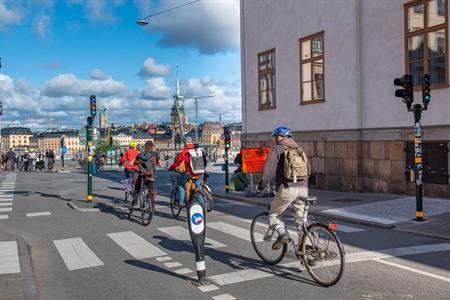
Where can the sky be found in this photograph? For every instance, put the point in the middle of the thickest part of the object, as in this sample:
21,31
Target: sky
56,53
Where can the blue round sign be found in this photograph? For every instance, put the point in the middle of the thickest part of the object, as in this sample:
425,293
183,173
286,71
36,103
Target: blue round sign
197,219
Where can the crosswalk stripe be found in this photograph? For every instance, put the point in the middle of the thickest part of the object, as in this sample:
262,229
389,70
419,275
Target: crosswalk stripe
135,245
224,297
6,204
4,217
6,199
2,209
39,214
76,254
9,258
242,233
172,264
182,234
183,271
240,276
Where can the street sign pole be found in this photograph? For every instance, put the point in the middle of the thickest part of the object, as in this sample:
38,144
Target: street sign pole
197,228
418,161
89,157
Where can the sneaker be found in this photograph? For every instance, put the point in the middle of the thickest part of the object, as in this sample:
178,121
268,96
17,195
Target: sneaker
282,239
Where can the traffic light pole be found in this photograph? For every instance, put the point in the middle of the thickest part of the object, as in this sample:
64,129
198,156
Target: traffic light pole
89,158
418,160
227,176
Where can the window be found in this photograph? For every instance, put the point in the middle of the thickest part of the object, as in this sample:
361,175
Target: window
312,79
426,40
266,79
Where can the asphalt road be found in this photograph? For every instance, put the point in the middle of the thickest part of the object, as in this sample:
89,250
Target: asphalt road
103,255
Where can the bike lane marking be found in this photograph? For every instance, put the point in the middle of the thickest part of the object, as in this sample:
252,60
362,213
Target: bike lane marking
9,258
38,214
76,254
4,217
182,234
135,245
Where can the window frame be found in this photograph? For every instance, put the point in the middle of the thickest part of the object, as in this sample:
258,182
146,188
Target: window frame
311,60
424,32
266,72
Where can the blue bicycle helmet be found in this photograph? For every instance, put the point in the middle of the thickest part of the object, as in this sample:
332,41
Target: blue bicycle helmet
282,131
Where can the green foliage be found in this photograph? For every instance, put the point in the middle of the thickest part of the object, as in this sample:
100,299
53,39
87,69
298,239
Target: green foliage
103,145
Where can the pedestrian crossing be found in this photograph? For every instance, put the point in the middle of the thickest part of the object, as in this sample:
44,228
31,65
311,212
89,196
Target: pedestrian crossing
7,195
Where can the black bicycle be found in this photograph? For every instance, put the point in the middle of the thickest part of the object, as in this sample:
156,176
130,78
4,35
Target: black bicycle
320,250
195,193
144,208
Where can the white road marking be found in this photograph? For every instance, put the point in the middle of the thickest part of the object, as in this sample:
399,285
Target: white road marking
9,258
5,209
242,233
208,288
182,234
39,214
224,297
163,258
172,264
253,274
346,228
342,212
183,271
4,217
76,254
9,198
6,204
135,245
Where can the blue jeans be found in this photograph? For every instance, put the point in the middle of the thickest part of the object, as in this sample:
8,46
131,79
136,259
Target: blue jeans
182,193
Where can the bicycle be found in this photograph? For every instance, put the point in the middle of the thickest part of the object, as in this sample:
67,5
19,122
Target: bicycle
326,266
195,192
129,186
145,201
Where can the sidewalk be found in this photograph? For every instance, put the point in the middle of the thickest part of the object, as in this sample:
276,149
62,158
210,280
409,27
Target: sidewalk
381,210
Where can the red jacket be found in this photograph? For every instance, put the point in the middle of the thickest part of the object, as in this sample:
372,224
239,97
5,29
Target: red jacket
184,156
128,159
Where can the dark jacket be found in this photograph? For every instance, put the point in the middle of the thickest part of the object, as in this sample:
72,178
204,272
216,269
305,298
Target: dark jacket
274,166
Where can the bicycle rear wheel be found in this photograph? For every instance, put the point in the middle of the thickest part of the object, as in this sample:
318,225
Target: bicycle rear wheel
174,202
324,257
263,238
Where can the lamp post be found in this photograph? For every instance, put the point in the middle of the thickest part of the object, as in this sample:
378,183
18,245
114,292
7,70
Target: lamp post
196,111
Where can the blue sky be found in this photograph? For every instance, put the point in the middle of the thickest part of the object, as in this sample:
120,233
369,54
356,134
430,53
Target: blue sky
55,53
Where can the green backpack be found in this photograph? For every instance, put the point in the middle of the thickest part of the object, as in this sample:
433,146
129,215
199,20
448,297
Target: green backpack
295,164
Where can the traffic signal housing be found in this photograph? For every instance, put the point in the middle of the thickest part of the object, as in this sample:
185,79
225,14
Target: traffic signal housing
93,106
407,93
426,91
227,137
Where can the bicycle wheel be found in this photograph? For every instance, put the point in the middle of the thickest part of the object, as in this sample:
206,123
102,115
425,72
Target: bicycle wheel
208,199
263,239
324,257
174,202
148,210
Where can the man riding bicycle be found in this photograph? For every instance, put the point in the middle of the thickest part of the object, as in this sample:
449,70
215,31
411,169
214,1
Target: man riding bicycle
191,164
290,188
147,161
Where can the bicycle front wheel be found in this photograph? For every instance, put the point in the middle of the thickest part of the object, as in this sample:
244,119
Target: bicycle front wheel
148,211
324,254
208,199
263,239
174,202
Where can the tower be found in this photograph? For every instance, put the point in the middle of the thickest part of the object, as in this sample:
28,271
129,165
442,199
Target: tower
103,119
177,99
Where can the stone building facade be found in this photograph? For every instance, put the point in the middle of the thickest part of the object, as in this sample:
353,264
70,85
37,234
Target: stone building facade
326,70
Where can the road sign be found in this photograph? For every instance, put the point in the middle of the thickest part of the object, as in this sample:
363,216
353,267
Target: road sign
253,159
64,150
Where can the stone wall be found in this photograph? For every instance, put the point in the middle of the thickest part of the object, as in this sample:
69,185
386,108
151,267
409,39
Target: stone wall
367,164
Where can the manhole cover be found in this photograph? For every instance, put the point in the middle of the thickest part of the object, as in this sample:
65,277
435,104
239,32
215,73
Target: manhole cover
347,200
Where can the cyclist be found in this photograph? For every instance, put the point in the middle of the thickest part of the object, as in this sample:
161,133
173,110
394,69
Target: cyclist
184,165
147,161
288,191
127,160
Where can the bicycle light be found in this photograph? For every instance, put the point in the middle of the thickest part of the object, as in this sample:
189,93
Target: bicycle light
332,226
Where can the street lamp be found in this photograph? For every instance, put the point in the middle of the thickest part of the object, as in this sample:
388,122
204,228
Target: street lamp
143,21
196,111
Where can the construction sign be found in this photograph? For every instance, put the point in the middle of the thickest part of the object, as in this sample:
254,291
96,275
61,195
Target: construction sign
253,159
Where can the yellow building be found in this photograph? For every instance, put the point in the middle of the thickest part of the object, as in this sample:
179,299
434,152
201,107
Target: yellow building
16,137
52,140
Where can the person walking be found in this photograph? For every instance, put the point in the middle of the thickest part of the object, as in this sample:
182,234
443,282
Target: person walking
11,159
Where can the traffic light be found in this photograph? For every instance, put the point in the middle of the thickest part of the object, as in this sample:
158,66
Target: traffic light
407,93
110,141
93,106
227,136
90,121
426,91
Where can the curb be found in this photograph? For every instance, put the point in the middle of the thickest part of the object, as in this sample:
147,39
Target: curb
73,206
319,214
29,284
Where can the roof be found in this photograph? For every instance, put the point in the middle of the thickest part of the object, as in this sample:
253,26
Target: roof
59,134
16,131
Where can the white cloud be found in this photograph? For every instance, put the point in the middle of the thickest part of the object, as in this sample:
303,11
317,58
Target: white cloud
151,68
156,89
9,15
42,26
70,85
210,26
98,74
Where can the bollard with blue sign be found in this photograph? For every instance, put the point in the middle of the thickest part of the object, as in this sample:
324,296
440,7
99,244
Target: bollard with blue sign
197,227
